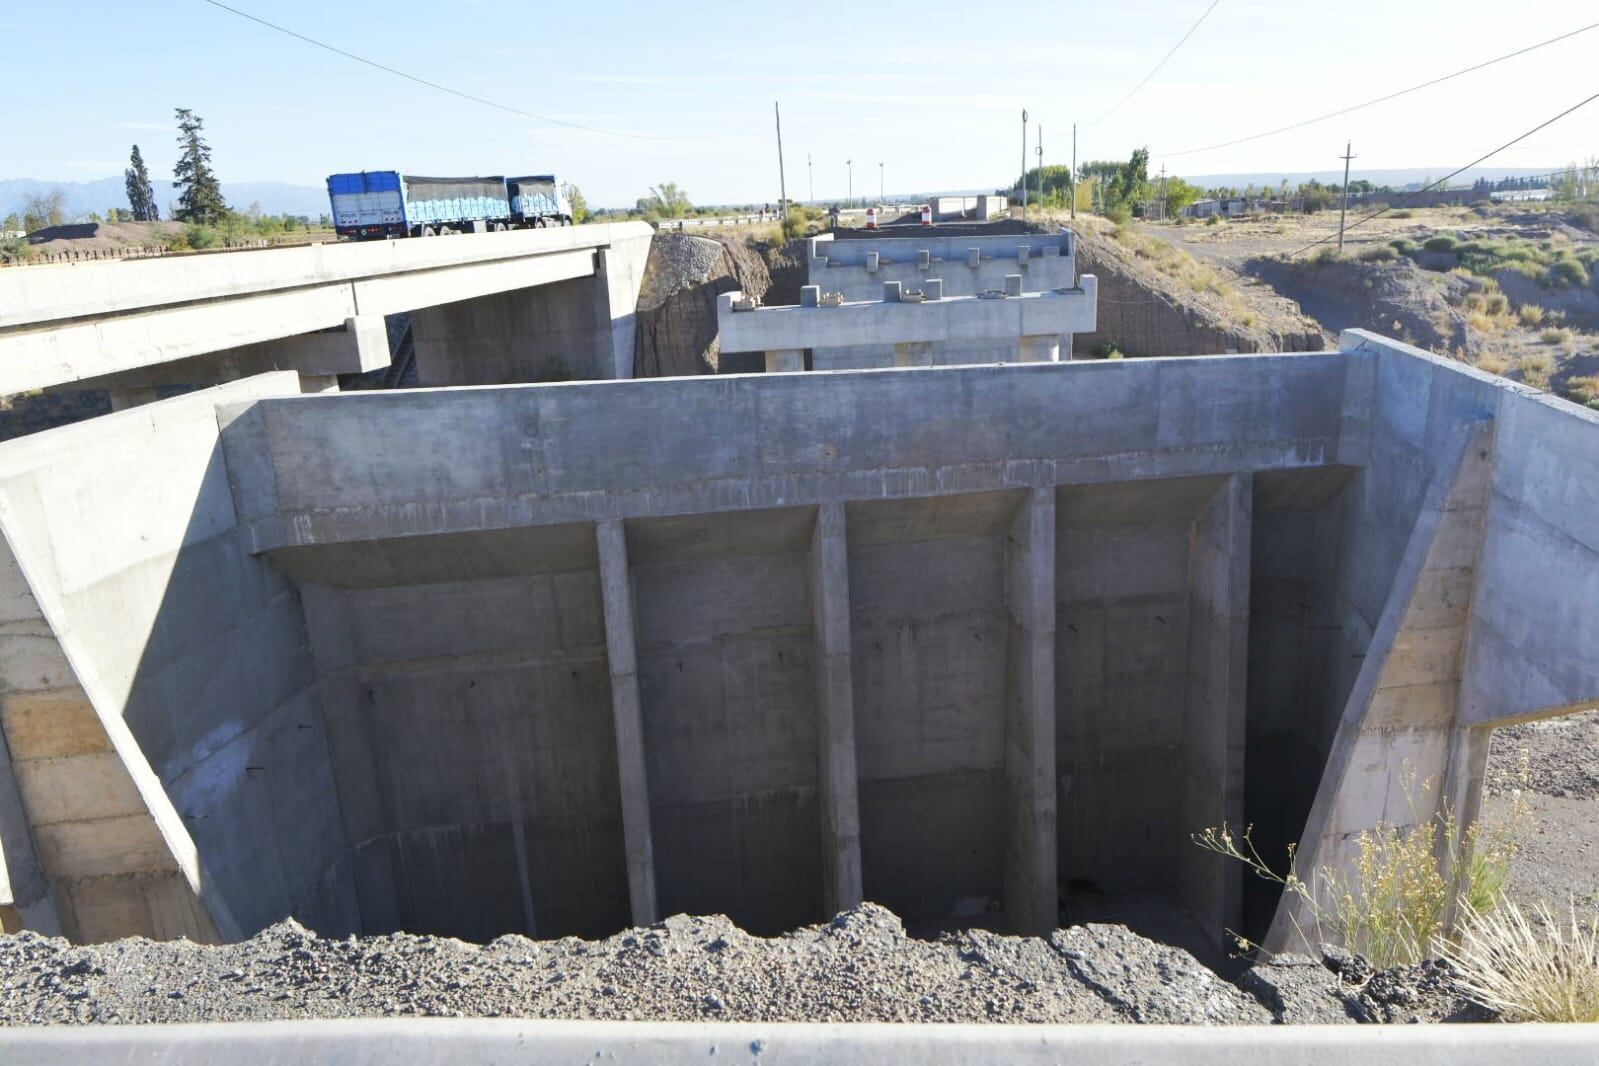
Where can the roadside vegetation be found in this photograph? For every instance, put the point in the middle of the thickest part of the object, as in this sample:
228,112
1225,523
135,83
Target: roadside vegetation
1395,907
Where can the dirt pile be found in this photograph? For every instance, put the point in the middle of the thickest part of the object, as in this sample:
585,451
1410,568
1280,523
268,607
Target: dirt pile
677,332
859,967
1397,298
1143,311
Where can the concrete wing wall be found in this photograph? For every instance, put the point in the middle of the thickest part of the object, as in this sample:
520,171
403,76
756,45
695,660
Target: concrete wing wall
193,658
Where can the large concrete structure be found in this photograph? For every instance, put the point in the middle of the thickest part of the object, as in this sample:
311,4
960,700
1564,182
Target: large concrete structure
528,305
991,638
1015,327
943,275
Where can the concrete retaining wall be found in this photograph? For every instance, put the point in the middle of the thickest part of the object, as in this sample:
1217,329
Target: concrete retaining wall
951,640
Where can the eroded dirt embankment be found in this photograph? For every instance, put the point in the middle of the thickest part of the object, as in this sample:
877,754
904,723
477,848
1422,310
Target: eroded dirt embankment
677,332
1150,306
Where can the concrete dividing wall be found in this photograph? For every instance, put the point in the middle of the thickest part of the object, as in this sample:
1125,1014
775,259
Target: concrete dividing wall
468,714
196,799
927,598
726,687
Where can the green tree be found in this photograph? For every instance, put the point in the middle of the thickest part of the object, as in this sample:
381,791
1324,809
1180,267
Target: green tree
201,201
1179,194
141,195
12,223
580,205
665,200
1131,184
44,210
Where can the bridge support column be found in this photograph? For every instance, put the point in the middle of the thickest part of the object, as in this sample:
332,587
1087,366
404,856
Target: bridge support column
1212,750
124,398
785,361
1031,891
1040,349
616,588
837,782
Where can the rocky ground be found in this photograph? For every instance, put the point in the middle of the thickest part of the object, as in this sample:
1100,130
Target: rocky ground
859,967
1554,764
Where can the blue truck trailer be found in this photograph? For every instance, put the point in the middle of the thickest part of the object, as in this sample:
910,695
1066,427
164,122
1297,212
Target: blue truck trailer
380,204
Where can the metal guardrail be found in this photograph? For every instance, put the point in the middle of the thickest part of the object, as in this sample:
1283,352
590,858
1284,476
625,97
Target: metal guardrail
400,1042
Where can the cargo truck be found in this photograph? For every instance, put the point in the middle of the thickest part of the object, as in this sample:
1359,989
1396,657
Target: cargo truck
379,204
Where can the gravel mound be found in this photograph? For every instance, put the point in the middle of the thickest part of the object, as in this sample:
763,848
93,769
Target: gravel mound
860,967
1562,757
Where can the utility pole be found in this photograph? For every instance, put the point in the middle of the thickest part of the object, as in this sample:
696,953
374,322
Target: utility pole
880,197
1073,182
1022,181
782,176
810,177
1344,210
1163,192
851,164
1040,168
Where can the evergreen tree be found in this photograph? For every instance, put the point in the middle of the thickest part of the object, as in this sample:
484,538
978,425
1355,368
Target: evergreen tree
201,199
141,196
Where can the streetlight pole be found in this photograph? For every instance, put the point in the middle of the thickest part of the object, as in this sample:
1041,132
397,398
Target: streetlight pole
851,164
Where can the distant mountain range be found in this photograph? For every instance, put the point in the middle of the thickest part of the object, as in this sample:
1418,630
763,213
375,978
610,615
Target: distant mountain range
83,197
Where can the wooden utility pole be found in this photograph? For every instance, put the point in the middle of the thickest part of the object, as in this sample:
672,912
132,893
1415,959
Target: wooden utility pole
1022,181
851,164
880,198
1344,210
810,177
1040,167
1163,192
782,177
1073,182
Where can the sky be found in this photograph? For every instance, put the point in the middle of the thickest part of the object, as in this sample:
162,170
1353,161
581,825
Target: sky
932,91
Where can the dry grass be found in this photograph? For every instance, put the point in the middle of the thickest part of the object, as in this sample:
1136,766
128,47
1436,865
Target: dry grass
1530,315
1584,390
1535,368
1491,362
1555,336
1538,970
1393,907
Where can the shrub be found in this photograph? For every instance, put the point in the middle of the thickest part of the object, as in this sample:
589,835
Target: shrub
1120,214
1568,272
1382,253
1530,271
1584,215
1529,971
1393,908
1402,245
1401,213
1213,220
1530,315
1583,390
1490,362
1555,335
1496,303
1105,350
200,236
794,224
1441,243
1325,254
1475,301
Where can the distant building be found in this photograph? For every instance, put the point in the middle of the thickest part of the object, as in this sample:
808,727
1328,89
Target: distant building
1521,195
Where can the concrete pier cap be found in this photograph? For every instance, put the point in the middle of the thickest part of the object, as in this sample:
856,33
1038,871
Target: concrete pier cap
976,640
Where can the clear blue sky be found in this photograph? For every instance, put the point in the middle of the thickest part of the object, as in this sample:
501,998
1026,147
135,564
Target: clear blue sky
935,96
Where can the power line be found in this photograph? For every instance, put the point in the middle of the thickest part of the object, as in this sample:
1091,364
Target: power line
445,88
1443,180
1383,99
1162,63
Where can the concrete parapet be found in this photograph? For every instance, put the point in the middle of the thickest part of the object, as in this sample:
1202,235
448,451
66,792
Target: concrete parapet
858,267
